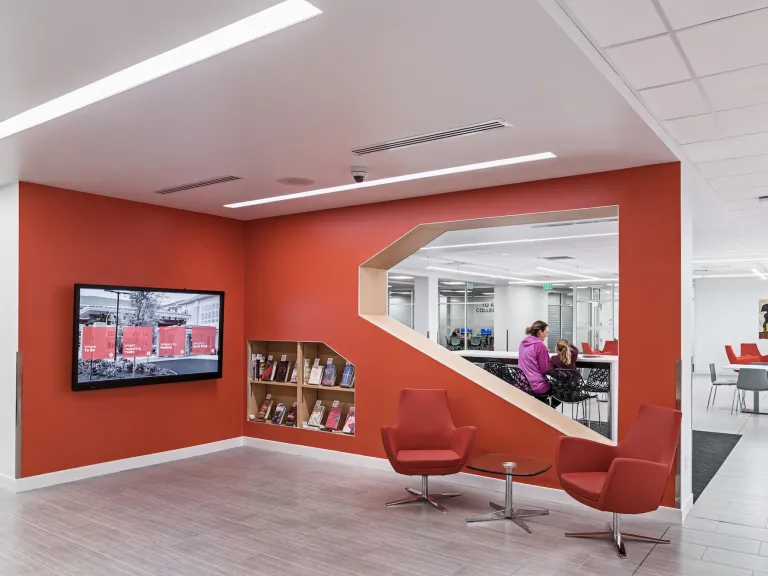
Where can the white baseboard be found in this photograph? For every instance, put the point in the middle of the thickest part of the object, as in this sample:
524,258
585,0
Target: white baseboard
687,507
6,482
663,514
73,474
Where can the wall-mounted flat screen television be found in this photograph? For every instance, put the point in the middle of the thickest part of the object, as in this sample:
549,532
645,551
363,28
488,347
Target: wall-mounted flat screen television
130,336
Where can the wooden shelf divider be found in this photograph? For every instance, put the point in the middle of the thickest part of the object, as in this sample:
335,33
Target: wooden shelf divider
305,395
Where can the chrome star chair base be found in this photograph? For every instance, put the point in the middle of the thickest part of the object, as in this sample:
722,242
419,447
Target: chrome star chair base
425,496
617,535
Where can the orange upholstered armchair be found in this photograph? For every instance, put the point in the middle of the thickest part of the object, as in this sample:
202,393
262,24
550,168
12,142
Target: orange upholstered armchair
626,479
424,442
586,347
751,350
733,359
611,347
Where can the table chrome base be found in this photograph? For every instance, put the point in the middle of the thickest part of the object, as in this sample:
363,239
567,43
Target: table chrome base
425,496
507,512
617,535
515,515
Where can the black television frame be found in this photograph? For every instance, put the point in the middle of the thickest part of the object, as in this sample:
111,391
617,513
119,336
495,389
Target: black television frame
148,380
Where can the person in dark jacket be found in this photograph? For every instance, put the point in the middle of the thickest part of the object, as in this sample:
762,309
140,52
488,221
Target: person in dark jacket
565,357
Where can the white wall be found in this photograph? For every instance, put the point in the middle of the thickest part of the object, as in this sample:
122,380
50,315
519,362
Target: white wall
726,312
517,307
691,185
9,328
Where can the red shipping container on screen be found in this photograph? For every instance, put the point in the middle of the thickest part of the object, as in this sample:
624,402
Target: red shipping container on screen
98,343
203,340
172,340
137,341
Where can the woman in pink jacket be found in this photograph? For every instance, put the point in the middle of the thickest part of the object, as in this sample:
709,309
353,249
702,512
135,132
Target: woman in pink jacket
533,357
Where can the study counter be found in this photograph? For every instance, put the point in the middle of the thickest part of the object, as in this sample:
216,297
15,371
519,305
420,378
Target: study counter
583,361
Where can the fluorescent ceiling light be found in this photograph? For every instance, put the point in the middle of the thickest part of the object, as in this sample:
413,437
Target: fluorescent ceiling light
401,277
487,293
763,276
566,273
473,273
522,241
565,280
396,179
241,32
558,284
723,276
457,283
758,258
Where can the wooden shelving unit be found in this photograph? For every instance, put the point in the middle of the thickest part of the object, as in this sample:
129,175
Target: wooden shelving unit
305,395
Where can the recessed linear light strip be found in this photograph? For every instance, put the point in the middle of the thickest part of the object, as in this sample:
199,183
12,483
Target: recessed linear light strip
241,32
523,241
763,276
700,276
567,273
567,280
454,271
396,179
757,259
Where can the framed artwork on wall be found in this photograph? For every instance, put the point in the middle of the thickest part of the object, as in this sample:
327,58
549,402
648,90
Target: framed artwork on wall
762,307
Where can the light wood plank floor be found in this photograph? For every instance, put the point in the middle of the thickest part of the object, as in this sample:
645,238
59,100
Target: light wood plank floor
250,512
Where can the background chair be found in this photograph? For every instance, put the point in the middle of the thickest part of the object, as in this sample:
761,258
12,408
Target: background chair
733,359
454,343
750,380
424,442
718,382
474,342
753,350
626,479
586,347
568,387
514,376
611,348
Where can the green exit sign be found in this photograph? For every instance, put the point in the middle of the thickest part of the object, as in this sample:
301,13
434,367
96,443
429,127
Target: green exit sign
547,286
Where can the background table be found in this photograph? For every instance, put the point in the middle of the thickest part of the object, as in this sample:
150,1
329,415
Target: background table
509,466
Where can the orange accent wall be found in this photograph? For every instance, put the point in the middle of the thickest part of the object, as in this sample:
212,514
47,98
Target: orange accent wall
68,237
302,285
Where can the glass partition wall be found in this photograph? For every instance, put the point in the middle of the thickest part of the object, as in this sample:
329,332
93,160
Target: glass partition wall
596,314
465,315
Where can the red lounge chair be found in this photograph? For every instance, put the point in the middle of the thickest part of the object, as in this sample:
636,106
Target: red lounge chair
424,442
626,479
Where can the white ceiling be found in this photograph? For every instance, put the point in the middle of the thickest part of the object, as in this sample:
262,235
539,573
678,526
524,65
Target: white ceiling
296,102
596,256
701,68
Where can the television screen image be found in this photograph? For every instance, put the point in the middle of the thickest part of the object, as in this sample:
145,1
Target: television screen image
128,336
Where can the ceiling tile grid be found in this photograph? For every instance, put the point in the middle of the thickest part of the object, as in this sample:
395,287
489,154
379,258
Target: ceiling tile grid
703,75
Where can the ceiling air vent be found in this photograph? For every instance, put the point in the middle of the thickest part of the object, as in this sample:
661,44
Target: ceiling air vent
558,258
433,136
199,184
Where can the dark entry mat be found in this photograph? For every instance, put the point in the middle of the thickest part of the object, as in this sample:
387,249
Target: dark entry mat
710,449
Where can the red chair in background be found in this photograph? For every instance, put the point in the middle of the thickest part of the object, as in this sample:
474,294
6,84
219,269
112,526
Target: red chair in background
424,442
611,348
733,359
626,479
586,347
753,350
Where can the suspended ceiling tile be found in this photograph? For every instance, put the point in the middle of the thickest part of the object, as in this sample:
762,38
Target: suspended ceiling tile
693,129
650,62
751,145
742,121
719,168
707,151
754,163
685,13
739,182
728,44
611,22
737,89
742,194
675,101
